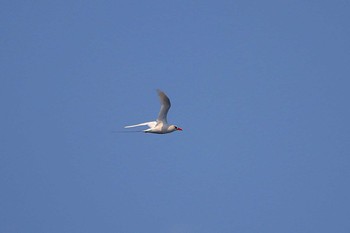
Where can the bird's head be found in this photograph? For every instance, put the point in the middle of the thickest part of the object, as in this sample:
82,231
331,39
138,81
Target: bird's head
174,128
177,128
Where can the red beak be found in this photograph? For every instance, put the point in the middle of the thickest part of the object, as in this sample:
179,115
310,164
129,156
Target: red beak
179,129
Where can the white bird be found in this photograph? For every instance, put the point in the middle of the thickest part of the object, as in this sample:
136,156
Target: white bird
160,126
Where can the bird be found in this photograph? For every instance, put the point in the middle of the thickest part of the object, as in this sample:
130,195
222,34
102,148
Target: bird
160,126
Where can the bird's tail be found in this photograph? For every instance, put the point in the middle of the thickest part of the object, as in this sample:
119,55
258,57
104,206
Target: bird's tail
150,124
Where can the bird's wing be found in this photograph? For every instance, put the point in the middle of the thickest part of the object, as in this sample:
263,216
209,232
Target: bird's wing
150,124
164,108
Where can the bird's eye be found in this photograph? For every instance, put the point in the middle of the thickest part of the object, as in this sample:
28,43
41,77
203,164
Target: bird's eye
175,127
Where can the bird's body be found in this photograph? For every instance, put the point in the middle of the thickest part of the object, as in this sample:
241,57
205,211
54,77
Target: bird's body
160,126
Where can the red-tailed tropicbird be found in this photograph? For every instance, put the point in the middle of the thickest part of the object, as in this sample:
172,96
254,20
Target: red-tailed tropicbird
160,126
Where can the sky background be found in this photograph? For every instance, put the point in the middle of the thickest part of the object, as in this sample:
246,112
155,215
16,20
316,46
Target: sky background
261,89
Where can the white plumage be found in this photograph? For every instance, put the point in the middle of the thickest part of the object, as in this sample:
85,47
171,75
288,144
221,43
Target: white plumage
160,126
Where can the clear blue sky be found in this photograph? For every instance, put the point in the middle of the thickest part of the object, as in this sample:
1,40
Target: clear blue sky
261,89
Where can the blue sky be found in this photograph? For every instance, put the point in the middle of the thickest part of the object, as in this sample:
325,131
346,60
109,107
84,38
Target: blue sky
261,89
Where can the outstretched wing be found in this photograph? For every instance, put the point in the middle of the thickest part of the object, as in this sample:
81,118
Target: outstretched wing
164,108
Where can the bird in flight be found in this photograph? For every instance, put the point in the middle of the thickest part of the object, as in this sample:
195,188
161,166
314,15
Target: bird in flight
160,126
